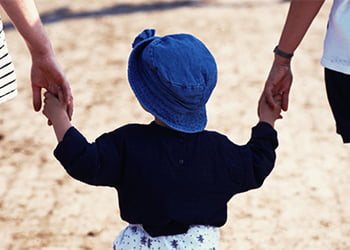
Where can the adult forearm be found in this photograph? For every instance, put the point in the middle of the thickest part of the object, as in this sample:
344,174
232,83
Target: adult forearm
300,16
24,15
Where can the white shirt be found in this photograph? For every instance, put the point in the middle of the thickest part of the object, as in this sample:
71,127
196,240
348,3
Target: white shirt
336,55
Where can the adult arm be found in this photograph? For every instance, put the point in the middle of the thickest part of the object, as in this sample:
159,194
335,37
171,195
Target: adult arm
45,71
300,16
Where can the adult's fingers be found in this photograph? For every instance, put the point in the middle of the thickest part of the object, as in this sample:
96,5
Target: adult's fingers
70,110
285,100
268,94
63,86
65,96
36,93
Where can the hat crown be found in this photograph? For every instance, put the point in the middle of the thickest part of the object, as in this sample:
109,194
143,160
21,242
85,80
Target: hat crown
183,66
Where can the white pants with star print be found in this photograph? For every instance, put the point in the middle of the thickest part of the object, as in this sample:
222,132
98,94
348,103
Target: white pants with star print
197,238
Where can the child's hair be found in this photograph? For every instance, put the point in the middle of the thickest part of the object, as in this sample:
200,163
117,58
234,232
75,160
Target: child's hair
173,77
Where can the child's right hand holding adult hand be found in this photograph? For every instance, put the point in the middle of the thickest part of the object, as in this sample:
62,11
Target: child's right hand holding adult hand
53,109
56,113
268,114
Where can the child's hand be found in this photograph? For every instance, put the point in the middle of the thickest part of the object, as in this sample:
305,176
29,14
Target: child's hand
54,110
268,114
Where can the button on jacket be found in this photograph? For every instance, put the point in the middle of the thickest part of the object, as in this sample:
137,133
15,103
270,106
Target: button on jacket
168,180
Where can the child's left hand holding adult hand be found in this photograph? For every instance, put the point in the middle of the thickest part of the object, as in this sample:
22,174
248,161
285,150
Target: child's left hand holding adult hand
267,113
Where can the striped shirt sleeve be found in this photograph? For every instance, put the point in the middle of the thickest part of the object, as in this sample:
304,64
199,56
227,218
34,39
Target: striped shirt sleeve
8,84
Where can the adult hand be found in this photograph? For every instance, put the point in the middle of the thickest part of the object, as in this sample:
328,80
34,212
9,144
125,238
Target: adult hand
278,82
47,74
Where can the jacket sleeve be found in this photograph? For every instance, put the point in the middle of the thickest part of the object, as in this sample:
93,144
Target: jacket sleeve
96,163
258,156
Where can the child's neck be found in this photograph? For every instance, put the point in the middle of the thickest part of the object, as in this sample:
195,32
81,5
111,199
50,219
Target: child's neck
160,123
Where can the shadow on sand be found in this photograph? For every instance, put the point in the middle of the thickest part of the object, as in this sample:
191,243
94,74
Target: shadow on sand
119,9
65,13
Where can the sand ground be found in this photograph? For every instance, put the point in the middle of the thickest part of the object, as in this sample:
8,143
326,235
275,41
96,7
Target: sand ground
304,204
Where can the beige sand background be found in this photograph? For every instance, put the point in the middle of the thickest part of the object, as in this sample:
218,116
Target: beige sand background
304,204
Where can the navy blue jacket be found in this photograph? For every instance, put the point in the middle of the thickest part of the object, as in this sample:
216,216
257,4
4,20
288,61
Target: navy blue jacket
166,179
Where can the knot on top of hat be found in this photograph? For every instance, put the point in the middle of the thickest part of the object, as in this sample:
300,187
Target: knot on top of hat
147,33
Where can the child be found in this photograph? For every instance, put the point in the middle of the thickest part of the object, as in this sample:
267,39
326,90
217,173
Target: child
173,178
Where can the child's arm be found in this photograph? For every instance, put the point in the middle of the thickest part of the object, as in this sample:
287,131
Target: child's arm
268,114
259,154
56,112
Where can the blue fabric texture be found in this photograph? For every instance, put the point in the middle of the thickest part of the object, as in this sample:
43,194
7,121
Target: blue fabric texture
173,77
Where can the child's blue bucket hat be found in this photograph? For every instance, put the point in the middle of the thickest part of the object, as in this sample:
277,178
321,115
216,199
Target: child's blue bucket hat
173,77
